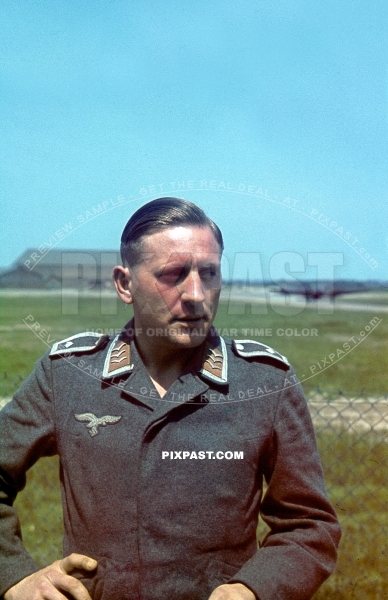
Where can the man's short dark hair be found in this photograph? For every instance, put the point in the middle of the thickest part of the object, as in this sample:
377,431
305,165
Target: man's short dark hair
160,214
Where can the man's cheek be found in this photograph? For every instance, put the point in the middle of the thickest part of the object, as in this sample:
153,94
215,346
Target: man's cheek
169,295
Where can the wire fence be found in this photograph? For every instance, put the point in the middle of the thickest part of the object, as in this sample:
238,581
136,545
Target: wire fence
352,434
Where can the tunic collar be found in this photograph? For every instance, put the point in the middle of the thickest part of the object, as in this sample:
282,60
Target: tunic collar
214,363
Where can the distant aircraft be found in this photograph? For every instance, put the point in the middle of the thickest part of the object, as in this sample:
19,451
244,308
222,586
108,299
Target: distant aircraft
315,290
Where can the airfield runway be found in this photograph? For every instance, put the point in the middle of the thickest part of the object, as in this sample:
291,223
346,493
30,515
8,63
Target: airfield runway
367,302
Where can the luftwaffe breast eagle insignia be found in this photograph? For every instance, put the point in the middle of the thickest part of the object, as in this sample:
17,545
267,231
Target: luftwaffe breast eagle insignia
92,423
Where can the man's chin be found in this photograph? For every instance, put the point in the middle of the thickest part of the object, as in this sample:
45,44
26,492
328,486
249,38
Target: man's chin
188,337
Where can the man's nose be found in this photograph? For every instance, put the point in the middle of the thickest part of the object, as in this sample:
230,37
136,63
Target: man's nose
192,288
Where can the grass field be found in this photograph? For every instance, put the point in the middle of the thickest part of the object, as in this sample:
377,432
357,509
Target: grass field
361,369
355,464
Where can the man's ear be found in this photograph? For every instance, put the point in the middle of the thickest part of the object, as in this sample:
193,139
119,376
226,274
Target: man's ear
122,278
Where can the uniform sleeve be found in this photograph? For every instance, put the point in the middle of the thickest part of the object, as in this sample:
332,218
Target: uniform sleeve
26,434
300,550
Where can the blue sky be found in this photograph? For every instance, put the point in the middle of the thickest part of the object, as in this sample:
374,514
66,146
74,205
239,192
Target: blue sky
273,116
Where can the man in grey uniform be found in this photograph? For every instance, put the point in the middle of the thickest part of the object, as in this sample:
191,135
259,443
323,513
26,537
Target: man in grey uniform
165,435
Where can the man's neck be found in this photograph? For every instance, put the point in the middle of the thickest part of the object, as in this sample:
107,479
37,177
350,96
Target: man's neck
164,367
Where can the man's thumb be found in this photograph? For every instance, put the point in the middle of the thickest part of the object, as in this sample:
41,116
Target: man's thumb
78,561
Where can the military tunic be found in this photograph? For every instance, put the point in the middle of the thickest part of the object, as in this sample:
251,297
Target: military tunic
166,493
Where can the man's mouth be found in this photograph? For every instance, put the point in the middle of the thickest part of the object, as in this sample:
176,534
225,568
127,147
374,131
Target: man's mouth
193,320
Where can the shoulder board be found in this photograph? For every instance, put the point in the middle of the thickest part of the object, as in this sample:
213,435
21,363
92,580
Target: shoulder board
81,342
250,348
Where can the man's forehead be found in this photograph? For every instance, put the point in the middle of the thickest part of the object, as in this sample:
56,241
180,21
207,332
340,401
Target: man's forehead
182,232
181,238
176,246
174,259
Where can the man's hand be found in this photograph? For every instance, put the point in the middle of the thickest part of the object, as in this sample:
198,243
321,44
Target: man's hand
48,583
232,591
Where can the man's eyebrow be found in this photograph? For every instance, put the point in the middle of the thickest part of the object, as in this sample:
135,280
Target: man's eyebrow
209,263
182,259
172,267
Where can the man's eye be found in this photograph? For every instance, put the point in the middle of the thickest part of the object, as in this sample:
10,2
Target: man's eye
170,276
209,273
